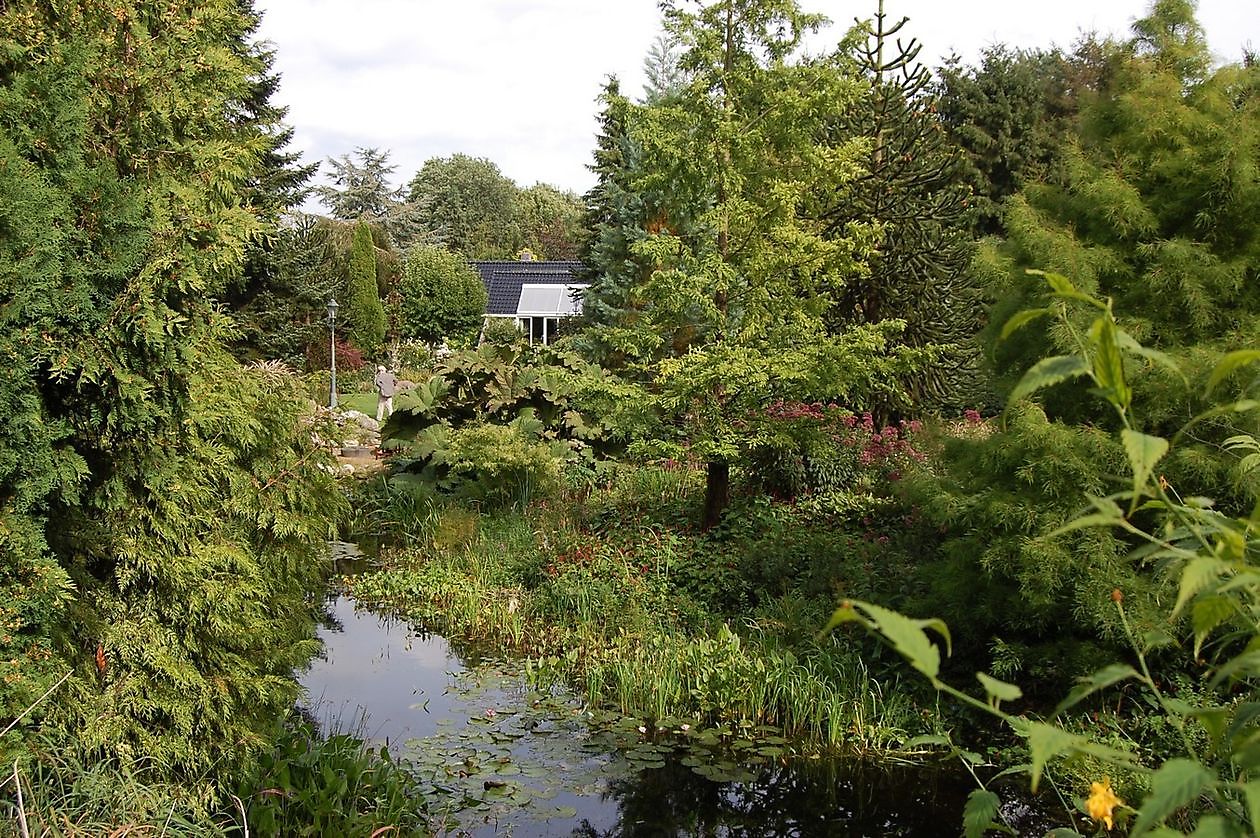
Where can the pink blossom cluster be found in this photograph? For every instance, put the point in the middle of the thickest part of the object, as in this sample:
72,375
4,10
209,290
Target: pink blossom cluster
888,443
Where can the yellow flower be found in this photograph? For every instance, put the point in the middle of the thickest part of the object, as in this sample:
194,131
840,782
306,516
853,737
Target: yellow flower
1102,801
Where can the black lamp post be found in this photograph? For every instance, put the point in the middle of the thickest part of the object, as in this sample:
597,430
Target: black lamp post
332,352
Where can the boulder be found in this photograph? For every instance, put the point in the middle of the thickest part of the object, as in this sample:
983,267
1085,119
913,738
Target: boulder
364,421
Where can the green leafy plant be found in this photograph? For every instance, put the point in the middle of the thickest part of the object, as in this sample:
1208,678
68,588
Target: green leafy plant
1211,559
441,296
331,785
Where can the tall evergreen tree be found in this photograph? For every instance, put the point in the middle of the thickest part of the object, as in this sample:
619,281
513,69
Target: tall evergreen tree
262,299
158,504
614,215
999,112
661,67
1010,114
361,191
364,310
912,189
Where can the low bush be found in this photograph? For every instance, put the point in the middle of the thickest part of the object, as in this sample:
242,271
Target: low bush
331,785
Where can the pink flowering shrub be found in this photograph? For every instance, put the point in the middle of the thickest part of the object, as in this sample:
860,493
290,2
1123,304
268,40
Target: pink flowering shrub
821,447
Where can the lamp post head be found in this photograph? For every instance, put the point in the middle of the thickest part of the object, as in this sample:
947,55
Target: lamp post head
332,309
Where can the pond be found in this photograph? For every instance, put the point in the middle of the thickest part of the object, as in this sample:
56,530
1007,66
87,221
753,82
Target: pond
499,758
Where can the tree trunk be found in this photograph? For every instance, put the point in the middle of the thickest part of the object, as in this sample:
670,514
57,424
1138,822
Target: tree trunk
717,492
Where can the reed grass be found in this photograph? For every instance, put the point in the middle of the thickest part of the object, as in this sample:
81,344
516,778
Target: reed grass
606,634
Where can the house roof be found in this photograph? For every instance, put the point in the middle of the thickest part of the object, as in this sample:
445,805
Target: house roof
503,281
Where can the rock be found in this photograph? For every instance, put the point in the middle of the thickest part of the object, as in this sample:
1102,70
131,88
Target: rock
403,385
364,421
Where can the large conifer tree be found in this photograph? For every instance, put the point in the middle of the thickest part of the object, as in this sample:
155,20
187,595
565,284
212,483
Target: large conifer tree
158,505
364,310
912,189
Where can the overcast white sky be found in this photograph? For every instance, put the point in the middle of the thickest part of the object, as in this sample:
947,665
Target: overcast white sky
516,80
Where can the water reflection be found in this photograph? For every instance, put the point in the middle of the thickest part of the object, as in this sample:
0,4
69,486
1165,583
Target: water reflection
511,764
801,798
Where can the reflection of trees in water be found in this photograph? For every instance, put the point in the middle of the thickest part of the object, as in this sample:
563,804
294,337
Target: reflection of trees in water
798,799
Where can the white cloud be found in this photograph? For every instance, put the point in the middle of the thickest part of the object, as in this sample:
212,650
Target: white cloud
516,81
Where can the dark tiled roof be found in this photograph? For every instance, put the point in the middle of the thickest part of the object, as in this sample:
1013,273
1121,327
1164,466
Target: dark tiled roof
503,280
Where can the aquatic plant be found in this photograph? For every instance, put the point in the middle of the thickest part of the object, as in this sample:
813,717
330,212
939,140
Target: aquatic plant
334,784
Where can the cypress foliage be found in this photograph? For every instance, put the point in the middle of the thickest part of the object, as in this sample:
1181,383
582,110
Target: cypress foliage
158,503
365,312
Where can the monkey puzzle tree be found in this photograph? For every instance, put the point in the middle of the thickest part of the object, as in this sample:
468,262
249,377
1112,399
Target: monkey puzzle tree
911,187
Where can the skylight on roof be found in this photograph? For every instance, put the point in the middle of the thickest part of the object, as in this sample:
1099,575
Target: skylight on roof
550,300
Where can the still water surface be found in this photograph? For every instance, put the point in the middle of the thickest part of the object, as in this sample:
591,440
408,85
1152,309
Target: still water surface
504,760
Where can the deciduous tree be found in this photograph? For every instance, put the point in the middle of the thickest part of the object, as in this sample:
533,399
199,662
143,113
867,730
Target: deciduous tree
441,296
470,204
736,259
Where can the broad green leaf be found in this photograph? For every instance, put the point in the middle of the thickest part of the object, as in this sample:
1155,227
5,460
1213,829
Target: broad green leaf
1045,742
1246,665
1213,720
1021,319
1215,826
999,690
1207,613
1046,372
1128,344
846,613
1251,791
982,807
1109,363
1144,452
1244,441
1100,680
1156,638
1106,505
1176,784
1230,364
1240,406
909,637
1061,286
929,739
1198,573
1087,521
1244,719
